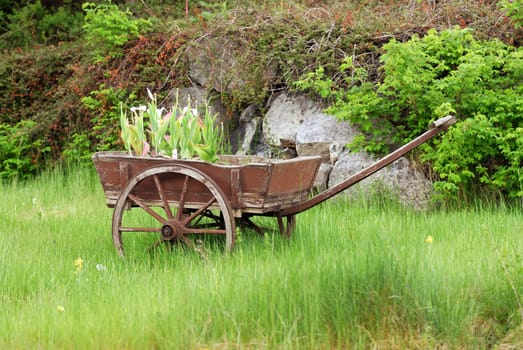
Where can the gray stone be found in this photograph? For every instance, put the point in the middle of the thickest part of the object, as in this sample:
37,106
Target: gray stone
211,63
215,62
294,125
298,122
399,178
249,130
322,178
323,135
283,118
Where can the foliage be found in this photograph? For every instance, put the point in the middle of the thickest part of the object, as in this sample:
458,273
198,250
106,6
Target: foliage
482,154
427,78
107,28
514,8
74,103
267,56
103,103
133,133
46,93
36,24
78,150
271,43
178,133
19,150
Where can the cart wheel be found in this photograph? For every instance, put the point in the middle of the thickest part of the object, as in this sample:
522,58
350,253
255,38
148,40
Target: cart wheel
173,219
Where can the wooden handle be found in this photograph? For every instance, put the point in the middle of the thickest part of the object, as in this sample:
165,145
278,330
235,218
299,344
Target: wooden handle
444,122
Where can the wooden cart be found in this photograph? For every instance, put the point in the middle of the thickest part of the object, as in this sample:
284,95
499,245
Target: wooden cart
191,197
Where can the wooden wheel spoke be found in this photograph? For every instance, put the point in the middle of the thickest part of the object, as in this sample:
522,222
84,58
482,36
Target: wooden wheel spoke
187,241
146,208
198,249
138,229
163,197
198,212
204,231
216,220
181,203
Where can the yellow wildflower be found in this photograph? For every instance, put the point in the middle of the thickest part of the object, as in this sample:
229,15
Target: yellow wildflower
60,308
429,239
78,264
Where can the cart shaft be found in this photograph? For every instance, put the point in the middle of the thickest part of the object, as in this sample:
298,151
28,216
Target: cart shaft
436,127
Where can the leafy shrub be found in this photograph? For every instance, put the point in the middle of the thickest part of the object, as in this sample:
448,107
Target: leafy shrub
60,25
104,106
514,9
107,28
277,41
19,150
42,86
35,24
79,150
481,82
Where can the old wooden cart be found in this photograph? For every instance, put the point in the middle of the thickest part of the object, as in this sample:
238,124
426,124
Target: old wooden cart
182,198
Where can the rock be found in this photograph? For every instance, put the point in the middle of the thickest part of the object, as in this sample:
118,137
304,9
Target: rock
211,63
411,186
283,118
322,178
294,125
335,150
295,121
323,135
248,128
195,93
216,62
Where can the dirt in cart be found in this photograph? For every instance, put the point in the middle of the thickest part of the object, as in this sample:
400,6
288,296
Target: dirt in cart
240,159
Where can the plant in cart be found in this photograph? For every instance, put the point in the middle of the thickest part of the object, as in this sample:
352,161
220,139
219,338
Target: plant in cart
158,124
132,132
179,133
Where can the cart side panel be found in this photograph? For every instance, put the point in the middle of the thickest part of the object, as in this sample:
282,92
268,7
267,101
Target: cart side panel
110,178
172,186
115,170
243,185
292,180
254,180
254,187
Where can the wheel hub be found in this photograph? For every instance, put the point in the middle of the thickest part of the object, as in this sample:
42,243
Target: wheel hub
171,229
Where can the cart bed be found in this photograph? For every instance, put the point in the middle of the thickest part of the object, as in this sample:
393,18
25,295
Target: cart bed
251,184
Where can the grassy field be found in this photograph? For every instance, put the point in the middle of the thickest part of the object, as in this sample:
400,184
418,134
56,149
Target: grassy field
369,274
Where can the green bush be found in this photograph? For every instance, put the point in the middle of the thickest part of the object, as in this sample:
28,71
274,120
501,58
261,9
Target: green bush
36,24
107,28
104,106
481,82
19,150
103,131
514,9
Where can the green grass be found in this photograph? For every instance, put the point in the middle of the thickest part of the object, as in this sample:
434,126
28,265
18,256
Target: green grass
354,275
